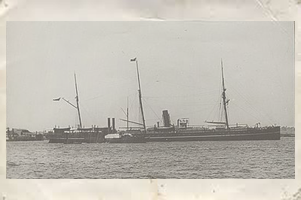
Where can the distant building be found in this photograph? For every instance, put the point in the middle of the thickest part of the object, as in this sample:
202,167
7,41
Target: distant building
16,134
22,132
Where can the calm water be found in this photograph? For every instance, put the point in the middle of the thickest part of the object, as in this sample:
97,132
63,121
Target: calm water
233,159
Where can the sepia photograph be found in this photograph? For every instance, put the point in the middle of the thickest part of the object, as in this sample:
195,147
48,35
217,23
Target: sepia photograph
150,100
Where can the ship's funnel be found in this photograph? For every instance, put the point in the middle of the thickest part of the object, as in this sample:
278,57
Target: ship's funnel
109,125
166,118
113,124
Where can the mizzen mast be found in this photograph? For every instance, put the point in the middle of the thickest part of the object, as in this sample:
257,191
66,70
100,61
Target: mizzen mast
225,101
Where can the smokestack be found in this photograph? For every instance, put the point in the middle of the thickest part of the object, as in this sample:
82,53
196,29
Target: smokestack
109,125
113,124
166,118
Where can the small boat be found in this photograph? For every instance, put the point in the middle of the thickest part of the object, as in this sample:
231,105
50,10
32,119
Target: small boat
126,137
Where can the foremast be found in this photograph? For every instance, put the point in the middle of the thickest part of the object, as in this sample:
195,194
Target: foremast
71,104
77,102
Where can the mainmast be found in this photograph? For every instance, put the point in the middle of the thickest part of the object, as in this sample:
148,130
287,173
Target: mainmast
225,102
77,104
139,91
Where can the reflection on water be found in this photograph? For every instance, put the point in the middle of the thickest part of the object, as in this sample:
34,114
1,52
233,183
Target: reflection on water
199,160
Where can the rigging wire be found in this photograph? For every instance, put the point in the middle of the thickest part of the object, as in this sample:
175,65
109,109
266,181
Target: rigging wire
159,118
88,113
96,97
266,114
214,108
252,107
218,102
200,94
196,111
135,108
184,86
246,111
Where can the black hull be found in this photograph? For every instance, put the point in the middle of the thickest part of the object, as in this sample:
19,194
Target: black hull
272,133
128,140
74,140
23,140
67,141
215,138
77,138
123,141
202,137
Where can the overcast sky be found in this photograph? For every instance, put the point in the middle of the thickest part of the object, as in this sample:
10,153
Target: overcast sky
179,65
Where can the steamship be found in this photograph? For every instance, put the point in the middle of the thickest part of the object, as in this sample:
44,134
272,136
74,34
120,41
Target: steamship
80,134
94,134
221,130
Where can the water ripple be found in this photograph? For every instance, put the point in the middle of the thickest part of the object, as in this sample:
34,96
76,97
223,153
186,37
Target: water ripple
202,160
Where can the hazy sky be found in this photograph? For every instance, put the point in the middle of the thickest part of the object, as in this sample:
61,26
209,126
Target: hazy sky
179,65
